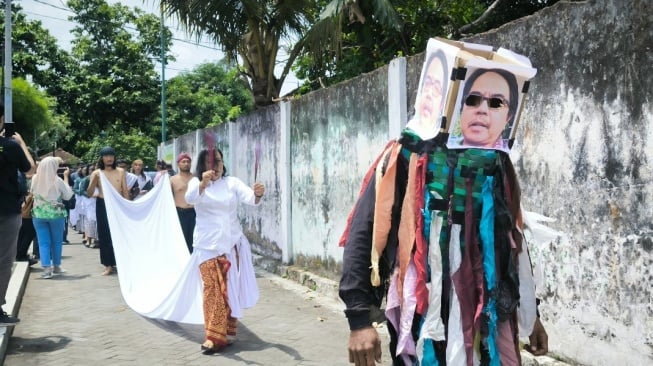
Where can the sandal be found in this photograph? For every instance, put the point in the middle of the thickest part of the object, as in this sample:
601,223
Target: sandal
208,348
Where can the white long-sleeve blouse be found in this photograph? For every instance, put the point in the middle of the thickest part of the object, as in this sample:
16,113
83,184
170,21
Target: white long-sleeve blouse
217,228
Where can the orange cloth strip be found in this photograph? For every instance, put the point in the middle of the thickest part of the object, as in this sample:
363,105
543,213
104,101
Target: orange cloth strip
407,226
385,194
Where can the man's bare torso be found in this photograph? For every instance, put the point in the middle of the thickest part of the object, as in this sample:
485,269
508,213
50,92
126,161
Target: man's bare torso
115,176
179,184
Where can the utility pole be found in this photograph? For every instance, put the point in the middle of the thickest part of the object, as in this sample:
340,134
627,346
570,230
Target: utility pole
7,67
163,79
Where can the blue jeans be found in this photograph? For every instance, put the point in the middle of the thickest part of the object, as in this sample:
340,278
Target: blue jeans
50,233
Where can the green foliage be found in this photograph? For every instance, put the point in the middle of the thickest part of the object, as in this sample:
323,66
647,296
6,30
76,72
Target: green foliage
365,40
30,107
114,87
508,11
31,111
35,53
52,137
211,94
249,30
369,41
107,90
128,146
37,57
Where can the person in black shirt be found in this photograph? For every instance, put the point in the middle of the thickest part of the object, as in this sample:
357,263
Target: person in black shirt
14,157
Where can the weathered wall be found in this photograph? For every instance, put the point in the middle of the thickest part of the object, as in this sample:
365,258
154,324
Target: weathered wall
334,137
260,224
584,156
238,143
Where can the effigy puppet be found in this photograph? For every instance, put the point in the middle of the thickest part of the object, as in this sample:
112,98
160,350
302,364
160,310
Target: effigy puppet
437,231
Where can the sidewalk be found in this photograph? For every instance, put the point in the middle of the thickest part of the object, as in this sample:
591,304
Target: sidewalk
80,318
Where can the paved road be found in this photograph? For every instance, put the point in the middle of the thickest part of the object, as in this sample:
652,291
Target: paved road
80,318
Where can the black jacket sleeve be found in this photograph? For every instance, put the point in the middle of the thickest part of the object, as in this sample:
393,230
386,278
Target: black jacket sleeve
362,300
355,285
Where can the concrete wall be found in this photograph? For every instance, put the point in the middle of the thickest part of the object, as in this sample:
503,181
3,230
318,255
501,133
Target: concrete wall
334,136
584,157
238,143
583,153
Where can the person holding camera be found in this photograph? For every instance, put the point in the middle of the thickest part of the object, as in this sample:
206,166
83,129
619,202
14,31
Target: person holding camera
49,213
68,205
14,157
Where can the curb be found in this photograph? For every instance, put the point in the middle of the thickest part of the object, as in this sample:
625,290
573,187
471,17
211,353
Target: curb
323,286
15,291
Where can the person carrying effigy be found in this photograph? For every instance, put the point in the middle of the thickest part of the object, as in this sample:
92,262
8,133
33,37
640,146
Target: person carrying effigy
437,230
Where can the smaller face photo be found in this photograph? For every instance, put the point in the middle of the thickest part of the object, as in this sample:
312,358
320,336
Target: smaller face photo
487,107
433,88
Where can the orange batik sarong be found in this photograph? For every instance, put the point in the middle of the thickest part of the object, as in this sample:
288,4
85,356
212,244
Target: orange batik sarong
218,322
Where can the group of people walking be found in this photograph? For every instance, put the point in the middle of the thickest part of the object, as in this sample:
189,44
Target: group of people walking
207,208
206,203
58,198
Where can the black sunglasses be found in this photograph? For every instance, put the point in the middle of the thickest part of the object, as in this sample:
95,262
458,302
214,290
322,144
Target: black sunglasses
474,100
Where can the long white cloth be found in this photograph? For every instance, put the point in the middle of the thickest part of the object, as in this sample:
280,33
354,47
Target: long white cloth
158,279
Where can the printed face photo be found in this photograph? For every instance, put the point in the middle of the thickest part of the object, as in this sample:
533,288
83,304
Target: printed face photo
487,105
433,87
489,101
486,110
430,103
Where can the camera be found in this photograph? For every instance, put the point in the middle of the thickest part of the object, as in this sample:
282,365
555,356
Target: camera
60,171
10,129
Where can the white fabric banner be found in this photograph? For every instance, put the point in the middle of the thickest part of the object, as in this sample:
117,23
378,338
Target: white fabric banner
158,279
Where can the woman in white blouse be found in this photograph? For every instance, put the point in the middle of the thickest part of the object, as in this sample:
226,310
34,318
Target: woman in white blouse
144,182
225,255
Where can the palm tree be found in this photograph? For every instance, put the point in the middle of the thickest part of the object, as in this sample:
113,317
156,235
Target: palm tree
250,30
254,29
326,36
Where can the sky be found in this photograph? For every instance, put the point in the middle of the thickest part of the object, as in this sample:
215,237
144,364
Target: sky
187,51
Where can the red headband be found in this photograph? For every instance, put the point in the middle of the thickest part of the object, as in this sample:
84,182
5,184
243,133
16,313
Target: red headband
183,156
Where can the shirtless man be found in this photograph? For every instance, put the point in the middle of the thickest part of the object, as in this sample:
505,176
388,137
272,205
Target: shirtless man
185,211
116,176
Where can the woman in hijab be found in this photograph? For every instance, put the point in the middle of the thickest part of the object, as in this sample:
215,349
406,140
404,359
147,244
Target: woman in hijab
49,213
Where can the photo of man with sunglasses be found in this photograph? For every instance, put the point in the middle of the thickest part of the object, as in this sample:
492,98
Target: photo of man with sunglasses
488,108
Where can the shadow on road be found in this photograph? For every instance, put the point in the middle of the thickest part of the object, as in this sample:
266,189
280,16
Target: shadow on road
246,340
18,345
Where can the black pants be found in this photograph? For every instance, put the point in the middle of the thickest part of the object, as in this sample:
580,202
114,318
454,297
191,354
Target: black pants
187,221
25,237
65,226
107,257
